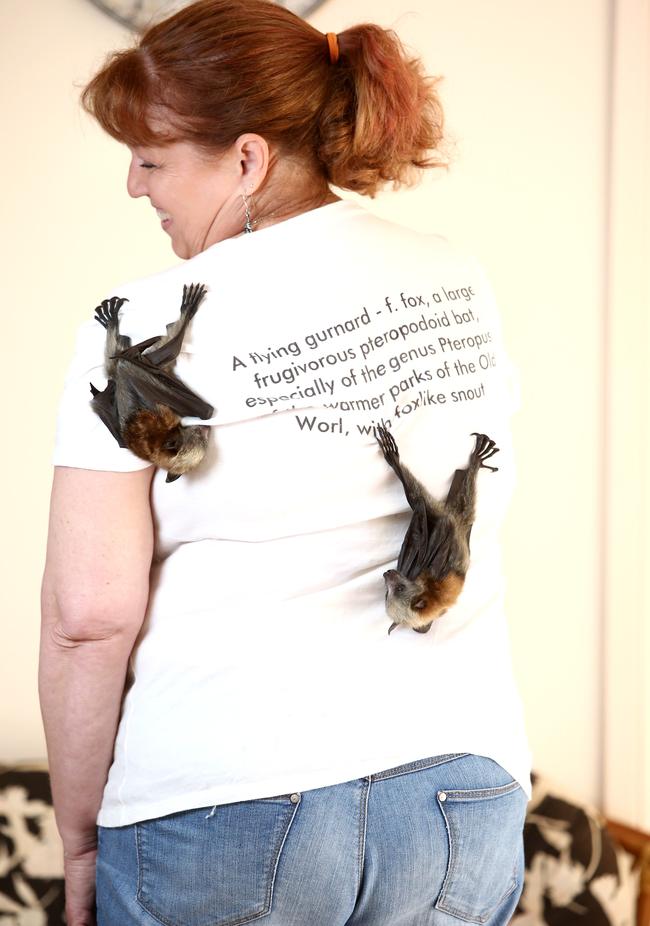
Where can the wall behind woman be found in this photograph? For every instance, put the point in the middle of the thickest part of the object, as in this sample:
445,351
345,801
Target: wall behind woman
525,94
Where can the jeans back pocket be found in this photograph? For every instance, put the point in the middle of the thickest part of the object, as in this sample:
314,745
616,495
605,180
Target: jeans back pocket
212,868
484,830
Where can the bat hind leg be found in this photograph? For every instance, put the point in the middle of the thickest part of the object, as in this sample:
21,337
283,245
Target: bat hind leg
484,449
107,312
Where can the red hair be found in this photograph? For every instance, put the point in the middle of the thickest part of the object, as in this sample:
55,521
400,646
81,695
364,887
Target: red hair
220,68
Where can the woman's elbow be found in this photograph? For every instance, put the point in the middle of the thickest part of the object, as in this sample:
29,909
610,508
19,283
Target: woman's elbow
89,612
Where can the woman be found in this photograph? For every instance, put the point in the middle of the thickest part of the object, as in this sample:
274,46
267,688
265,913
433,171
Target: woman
219,690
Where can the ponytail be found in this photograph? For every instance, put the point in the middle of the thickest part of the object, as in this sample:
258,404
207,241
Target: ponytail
382,119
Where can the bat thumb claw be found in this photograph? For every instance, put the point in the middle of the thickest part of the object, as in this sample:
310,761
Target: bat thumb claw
392,627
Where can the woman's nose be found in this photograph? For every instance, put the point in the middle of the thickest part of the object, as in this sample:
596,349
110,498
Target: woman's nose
136,181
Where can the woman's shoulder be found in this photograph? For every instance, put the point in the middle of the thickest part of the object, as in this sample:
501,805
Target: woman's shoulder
155,300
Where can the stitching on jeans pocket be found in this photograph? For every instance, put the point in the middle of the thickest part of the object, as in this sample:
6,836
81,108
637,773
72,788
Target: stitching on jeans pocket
484,833
212,870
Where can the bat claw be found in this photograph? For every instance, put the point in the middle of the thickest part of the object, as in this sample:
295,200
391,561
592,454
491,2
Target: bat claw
107,312
388,446
192,296
392,627
484,448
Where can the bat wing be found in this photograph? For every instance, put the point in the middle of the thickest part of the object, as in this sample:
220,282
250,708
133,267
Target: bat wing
429,545
414,543
104,405
168,350
135,351
167,353
152,386
442,549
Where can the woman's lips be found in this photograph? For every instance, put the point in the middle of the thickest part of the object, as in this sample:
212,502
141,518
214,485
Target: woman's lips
164,217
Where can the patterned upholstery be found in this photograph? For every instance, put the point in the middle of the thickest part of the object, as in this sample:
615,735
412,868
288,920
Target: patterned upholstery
31,855
575,872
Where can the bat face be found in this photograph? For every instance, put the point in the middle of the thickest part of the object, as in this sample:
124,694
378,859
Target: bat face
159,438
417,603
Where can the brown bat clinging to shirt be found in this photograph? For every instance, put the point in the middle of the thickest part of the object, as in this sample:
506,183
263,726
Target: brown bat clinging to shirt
434,557
143,402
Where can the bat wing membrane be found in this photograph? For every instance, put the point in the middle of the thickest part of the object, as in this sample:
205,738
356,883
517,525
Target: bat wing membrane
428,545
137,350
152,386
104,405
414,543
166,353
441,549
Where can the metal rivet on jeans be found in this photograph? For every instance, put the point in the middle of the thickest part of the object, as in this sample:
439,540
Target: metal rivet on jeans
295,798
442,796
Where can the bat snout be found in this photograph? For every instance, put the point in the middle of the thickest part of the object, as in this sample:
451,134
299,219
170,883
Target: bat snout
393,580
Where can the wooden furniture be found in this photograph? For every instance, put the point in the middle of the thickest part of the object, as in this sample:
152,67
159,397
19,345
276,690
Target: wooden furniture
637,843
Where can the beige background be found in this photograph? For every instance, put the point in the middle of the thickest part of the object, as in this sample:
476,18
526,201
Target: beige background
545,103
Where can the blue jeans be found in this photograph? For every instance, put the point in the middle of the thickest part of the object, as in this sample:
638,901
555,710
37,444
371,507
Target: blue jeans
430,843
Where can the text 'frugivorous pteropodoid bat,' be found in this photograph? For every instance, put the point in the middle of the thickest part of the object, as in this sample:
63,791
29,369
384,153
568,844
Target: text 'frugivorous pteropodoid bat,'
434,557
143,402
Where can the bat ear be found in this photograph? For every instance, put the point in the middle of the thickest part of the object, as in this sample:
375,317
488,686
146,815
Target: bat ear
419,604
172,477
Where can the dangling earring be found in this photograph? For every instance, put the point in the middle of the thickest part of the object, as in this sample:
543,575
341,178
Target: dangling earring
248,227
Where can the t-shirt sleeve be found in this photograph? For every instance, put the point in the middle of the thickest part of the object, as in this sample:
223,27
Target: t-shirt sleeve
82,439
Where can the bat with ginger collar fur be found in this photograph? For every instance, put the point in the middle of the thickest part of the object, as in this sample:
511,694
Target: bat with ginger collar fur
144,401
434,557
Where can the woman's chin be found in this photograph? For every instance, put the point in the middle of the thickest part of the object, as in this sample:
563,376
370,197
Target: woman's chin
181,249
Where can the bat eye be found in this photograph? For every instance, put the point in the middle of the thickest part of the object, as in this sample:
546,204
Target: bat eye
419,605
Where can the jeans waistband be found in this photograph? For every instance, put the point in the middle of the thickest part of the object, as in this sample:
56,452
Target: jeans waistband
416,766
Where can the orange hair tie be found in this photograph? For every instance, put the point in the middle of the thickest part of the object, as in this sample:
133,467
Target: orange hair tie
333,43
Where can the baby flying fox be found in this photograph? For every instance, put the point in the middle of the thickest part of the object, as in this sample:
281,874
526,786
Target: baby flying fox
143,402
434,557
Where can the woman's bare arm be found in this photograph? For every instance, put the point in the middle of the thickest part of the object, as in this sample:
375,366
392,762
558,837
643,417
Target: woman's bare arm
94,597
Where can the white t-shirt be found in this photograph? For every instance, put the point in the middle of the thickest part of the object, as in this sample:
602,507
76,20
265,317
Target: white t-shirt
264,665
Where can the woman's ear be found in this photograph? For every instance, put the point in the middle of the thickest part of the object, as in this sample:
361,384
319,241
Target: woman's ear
254,158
